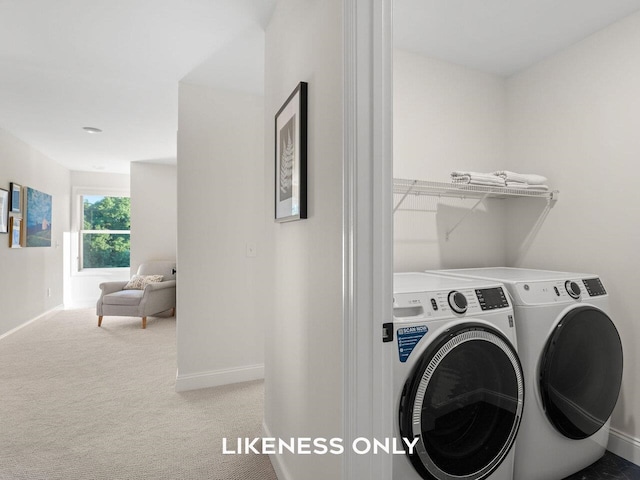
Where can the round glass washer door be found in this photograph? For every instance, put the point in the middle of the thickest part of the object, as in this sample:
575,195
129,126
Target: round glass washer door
581,372
463,402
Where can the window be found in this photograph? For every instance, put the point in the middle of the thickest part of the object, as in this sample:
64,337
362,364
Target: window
105,237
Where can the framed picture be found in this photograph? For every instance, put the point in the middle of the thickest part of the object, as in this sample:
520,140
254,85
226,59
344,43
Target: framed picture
16,198
38,218
4,211
291,157
15,227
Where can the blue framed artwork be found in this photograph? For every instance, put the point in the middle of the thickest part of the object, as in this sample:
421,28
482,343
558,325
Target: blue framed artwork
16,196
38,218
15,227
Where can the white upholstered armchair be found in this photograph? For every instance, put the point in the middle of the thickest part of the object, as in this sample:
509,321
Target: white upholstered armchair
149,297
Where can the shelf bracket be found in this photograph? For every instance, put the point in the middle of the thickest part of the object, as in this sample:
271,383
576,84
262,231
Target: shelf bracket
405,196
471,210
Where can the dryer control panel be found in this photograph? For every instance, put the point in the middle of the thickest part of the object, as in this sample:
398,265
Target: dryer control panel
552,291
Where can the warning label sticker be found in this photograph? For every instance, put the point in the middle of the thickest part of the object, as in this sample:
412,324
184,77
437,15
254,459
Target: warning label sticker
408,338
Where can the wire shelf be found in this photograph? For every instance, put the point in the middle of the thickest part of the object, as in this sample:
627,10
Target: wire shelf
424,187
406,187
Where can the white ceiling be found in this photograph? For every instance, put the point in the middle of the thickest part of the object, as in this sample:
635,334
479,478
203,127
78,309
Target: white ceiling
116,64
500,36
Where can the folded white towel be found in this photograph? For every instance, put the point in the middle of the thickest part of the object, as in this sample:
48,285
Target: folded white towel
526,186
473,181
477,178
529,178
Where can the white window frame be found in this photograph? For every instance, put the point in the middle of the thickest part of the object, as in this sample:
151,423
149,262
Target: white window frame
78,222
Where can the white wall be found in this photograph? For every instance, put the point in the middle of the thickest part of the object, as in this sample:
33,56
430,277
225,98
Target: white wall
154,213
303,359
446,117
27,273
82,287
220,312
575,117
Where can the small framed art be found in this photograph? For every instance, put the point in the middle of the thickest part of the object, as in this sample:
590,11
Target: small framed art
291,157
15,227
4,211
16,198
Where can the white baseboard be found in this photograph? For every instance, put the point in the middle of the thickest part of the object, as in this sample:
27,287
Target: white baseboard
276,460
216,378
42,315
624,446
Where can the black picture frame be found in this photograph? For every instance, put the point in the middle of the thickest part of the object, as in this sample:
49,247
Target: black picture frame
291,157
16,197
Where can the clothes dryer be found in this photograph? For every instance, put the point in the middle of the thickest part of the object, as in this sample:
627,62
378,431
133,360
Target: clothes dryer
572,359
457,381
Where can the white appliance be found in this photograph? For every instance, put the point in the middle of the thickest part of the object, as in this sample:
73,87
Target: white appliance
572,359
457,380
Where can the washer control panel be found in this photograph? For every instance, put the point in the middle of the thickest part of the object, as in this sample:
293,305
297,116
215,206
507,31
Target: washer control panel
447,303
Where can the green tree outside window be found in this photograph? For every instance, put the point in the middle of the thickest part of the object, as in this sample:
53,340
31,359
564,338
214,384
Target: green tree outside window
106,239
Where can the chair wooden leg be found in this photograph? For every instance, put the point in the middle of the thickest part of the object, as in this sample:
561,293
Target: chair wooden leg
100,321
144,322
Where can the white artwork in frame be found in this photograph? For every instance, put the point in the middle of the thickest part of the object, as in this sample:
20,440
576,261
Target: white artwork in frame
291,157
4,210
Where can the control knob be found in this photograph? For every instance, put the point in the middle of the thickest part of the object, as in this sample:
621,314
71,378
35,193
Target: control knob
572,289
457,302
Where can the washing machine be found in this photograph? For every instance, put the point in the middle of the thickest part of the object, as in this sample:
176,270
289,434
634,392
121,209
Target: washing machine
457,380
572,359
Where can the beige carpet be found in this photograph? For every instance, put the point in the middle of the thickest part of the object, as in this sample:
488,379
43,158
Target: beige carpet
82,402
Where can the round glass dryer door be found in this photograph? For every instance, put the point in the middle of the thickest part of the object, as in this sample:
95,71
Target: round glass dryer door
463,404
581,372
